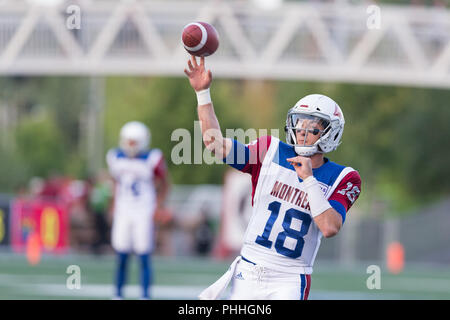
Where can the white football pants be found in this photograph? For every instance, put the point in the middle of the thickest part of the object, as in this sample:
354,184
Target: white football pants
132,233
253,282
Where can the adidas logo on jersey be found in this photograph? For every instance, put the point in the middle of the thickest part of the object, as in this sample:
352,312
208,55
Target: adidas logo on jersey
239,276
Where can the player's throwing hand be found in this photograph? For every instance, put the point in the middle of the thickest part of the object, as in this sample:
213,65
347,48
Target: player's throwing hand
302,166
199,78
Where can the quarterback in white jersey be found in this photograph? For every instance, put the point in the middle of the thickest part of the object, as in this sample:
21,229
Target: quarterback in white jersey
298,194
138,172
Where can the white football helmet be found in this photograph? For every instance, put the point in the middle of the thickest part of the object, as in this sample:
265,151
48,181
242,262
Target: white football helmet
134,138
315,108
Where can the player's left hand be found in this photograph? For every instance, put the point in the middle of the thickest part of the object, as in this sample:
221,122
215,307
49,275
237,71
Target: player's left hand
302,166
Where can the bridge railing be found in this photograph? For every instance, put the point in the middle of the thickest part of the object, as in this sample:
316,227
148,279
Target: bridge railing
299,40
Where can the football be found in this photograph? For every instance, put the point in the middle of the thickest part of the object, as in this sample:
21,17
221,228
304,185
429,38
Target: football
200,39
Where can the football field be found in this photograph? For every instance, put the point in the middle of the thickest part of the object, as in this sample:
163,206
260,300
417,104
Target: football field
183,278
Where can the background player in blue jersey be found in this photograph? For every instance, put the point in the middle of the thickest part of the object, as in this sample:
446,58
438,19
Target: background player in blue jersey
298,194
141,186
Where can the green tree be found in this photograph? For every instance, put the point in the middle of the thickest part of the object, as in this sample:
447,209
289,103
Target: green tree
40,146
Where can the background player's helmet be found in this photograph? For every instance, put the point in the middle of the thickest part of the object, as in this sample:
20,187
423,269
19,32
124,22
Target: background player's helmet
134,138
315,108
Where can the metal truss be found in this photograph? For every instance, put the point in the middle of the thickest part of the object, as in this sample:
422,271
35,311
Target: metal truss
298,41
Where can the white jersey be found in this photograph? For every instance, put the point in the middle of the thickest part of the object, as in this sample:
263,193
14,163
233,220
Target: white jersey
135,193
281,234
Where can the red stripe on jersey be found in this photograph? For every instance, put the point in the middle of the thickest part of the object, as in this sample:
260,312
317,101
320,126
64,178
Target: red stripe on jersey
258,151
160,169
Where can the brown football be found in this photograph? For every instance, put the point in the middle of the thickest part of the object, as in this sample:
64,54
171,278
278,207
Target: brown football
200,39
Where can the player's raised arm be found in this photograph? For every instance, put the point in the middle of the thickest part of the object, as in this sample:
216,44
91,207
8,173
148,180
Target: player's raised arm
200,80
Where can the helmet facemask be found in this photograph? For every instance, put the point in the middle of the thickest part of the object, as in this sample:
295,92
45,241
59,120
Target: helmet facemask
130,147
300,128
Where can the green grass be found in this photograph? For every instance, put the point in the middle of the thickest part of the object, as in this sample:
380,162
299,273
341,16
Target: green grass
184,278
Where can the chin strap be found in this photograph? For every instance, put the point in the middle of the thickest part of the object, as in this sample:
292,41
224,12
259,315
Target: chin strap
310,151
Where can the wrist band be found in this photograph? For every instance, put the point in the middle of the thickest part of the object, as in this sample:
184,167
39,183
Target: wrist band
203,97
317,201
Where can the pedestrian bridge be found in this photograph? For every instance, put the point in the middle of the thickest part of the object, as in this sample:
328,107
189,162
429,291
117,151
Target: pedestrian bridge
296,41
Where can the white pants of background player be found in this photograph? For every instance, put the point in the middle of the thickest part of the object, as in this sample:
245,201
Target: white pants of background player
132,233
254,282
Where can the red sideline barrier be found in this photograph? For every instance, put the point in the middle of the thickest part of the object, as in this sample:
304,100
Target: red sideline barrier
48,218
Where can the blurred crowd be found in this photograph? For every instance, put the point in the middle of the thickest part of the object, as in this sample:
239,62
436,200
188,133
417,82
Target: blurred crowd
89,204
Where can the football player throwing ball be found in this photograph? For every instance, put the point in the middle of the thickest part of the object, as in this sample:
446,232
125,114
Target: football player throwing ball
298,196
